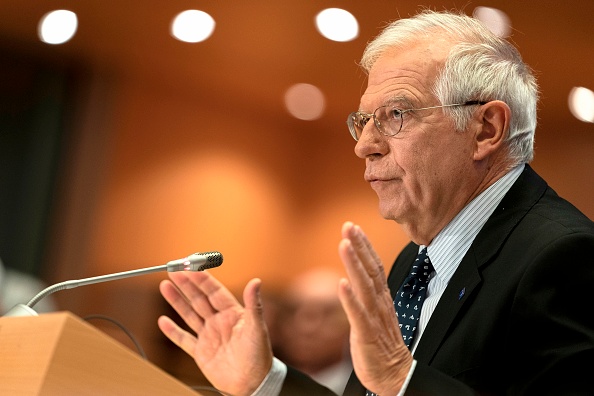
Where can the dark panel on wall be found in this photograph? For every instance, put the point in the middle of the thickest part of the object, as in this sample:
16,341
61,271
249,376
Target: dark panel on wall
33,101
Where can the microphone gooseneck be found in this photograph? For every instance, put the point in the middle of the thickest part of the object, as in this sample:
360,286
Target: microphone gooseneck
194,262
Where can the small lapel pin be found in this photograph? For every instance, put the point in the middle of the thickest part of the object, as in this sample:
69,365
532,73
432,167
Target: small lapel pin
461,293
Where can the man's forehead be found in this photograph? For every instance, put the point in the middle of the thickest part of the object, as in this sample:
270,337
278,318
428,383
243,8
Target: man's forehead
397,87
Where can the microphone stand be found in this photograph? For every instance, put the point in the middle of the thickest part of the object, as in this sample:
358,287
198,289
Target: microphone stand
194,262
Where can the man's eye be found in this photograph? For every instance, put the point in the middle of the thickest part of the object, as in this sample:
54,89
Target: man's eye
394,114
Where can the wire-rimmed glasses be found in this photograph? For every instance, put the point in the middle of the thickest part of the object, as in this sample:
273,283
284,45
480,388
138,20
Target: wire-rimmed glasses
388,119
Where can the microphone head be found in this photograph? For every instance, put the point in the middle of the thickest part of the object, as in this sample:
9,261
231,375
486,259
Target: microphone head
196,262
213,259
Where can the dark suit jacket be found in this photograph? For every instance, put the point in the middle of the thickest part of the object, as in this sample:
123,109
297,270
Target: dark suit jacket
516,317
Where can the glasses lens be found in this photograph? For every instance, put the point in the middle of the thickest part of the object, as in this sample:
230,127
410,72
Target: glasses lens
356,123
388,120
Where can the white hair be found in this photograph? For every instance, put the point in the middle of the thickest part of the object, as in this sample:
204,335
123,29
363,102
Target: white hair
479,66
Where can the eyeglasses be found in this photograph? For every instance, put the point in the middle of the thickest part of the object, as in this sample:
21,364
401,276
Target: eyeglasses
388,119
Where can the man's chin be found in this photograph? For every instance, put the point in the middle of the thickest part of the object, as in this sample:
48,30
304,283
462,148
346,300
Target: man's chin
387,212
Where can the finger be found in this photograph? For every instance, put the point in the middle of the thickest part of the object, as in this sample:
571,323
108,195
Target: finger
255,320
253,301
376,270
376,330
362,246
370,261
356,313
369,248
189,285
202,284
181,305
251,295
353,265
180,337
360,281
371,299
366,327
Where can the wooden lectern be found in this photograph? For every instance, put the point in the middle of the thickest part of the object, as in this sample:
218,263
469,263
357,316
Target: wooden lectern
60,354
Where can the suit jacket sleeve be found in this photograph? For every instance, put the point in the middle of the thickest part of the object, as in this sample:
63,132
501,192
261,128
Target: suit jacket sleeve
298,384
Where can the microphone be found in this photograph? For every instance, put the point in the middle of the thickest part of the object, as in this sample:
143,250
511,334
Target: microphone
194,262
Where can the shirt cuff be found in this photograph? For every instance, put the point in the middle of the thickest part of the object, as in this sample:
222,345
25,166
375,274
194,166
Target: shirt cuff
273,383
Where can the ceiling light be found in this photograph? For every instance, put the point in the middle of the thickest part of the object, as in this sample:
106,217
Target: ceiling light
581,104
57,27
305,101
495,20
192,26
337,24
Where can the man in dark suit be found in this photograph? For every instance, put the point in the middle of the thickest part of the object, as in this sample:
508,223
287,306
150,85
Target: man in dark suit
498,301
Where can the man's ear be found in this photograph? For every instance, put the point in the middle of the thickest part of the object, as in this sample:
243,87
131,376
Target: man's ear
492,128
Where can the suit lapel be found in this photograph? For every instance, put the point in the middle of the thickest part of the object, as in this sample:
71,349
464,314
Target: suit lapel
467,279
463,284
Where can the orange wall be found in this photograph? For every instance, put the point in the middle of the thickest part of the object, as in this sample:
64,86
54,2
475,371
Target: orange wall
184,177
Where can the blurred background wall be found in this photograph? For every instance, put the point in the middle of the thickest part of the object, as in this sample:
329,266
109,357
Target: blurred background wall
124,147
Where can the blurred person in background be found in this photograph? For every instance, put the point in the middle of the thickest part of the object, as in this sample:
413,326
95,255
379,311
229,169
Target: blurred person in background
312,330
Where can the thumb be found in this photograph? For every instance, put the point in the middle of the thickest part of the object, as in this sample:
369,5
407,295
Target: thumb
252,299
255,319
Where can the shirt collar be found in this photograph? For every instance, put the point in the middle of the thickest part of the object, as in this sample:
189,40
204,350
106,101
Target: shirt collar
451,244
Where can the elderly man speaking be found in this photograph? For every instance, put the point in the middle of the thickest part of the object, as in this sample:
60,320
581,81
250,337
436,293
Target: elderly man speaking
489,297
